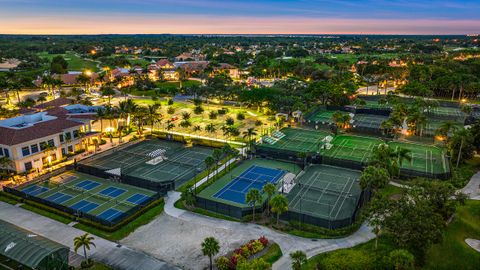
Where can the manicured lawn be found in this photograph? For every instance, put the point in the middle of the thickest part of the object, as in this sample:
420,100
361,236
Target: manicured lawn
75,62
127,228
273,254
452,253
98,266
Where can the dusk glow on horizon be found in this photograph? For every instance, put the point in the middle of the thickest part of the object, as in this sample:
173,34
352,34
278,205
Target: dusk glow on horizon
239,17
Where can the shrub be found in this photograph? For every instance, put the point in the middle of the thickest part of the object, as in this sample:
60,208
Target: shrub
229,121
240,116
87,264
263,240
198,110
212,115
170,101
197,102
223,111
401,259
171,110
258,123
222,263
347,259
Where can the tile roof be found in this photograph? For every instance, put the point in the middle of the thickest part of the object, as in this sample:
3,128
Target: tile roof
10,136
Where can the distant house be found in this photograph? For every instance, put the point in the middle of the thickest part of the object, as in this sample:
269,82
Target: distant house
8,64
190,57
164,64
69,79
230,70
192,67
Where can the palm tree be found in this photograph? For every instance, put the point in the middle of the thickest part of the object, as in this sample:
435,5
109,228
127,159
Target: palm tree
217,156
84,80
210,128
467,110
446,128
101,114
109,92
252,198
210,247
403,154
84,241
299,258
462,135
279,205
153,116
209,162
269,189
249,134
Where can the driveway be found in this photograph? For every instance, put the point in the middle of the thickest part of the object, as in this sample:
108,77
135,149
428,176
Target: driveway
176,237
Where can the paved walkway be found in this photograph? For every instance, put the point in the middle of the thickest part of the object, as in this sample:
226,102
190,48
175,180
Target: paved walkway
472,189
107,252
190,228
473,243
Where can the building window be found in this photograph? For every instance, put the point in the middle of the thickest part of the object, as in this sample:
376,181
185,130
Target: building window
1,151
64,152
75,134
28,166
61,138
34,148
25,151
43,146
70,149
51,143
5,152
68,136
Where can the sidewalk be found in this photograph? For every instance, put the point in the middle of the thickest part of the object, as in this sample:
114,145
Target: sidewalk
107,252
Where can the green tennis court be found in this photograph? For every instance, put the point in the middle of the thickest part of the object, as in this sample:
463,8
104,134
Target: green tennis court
425,158
326,192
106,199
324,117
156,160
350,147
295,140
447,113
368,121
373,104
433,125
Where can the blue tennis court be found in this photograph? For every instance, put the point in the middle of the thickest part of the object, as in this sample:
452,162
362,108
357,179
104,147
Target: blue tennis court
35,190
110,214
112,192
88,184
84,206
138,198
59,197
254,177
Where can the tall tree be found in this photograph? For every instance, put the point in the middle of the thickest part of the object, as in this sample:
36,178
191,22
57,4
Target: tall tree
210,247
252,198
279,205
84,241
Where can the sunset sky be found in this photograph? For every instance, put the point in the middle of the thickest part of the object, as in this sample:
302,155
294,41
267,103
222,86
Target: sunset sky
239,17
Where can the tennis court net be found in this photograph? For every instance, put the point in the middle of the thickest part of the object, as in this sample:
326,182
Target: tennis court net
325,190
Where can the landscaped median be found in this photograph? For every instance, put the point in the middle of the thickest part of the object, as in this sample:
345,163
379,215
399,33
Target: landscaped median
257,251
